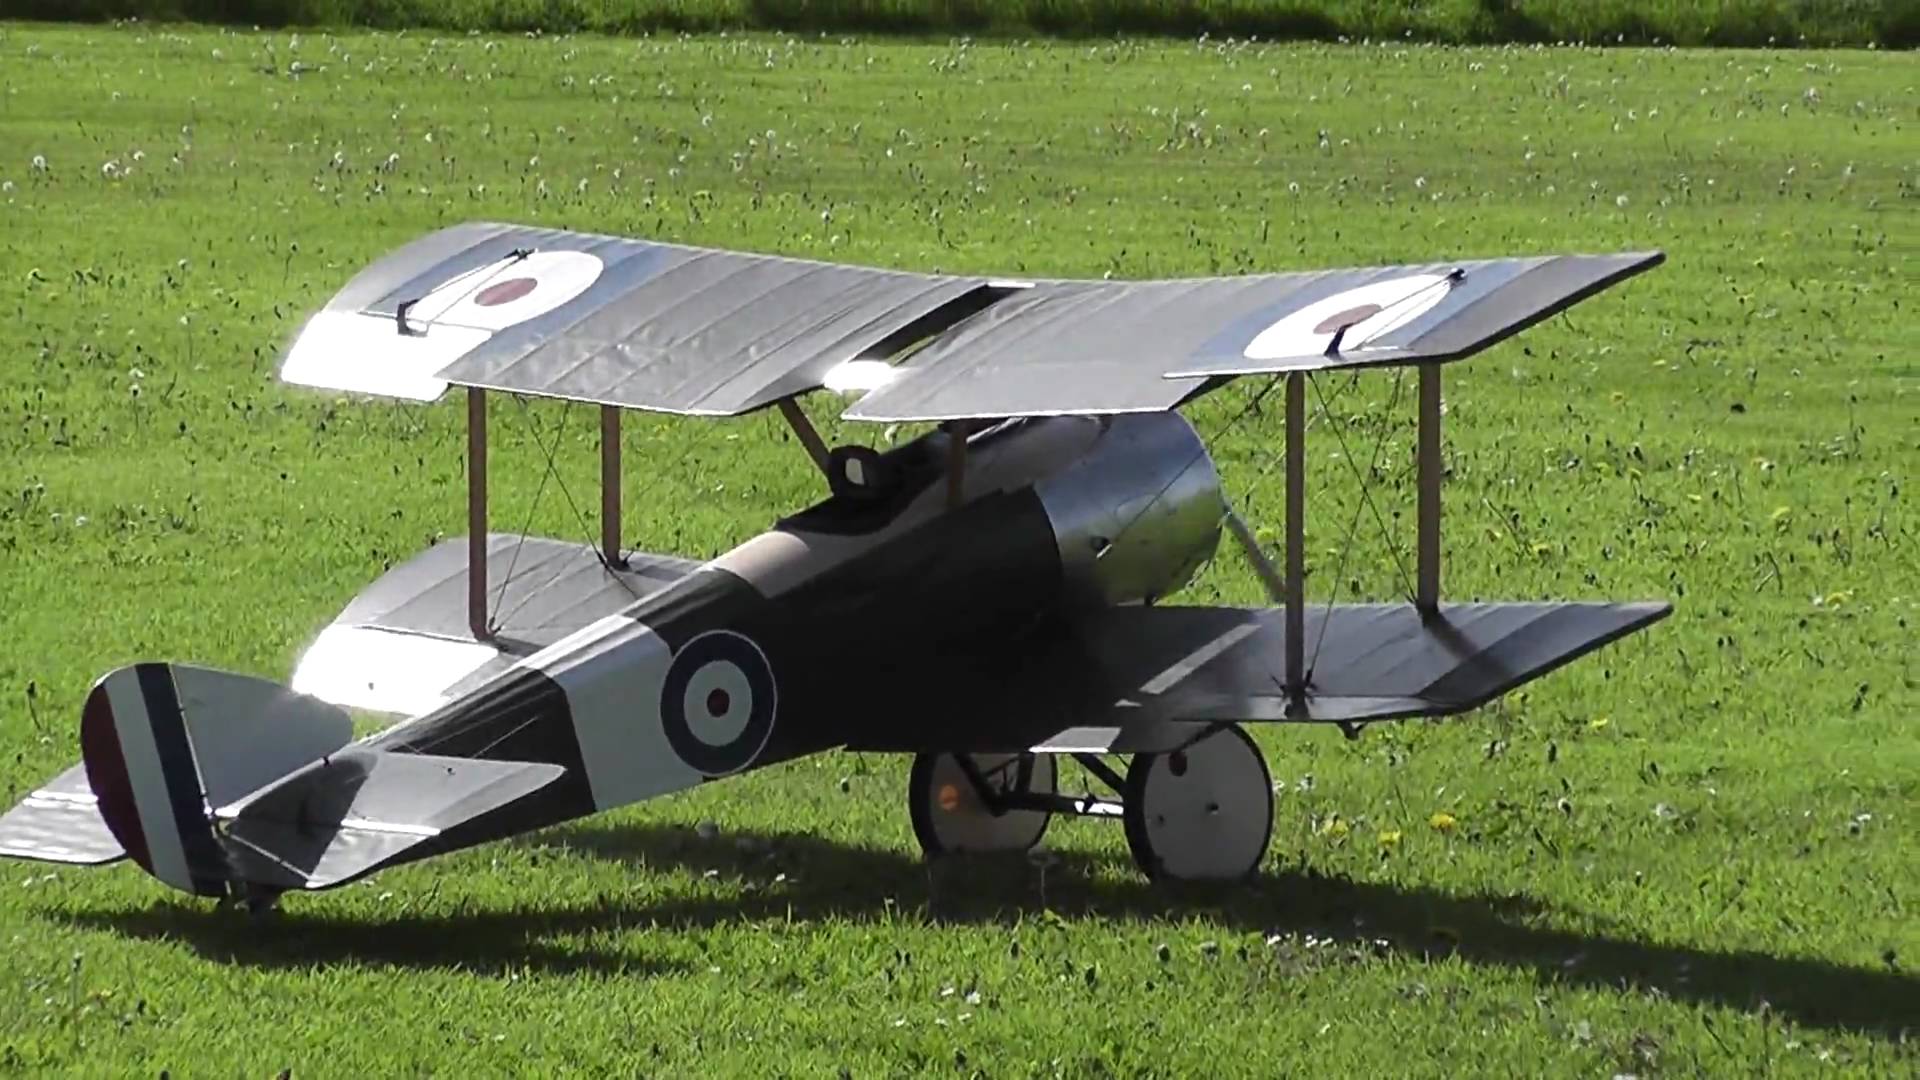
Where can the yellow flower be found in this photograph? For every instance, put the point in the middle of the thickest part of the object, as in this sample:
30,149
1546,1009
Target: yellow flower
1334,827
1441,821
1389,838
1598,723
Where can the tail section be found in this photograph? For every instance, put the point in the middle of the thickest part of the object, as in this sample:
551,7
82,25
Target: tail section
222,784
165,745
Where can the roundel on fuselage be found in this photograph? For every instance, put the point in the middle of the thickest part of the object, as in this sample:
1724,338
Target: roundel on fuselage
718,701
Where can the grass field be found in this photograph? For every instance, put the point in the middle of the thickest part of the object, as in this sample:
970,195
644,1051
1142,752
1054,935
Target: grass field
1691,854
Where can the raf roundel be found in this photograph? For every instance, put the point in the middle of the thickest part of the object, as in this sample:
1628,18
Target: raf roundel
1366,312
508,292
717,703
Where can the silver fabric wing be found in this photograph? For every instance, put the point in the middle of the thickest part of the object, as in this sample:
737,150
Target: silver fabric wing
698,331
608,320
1106,347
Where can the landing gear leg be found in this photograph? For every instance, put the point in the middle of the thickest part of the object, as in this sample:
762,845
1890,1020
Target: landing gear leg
1204,813
953,799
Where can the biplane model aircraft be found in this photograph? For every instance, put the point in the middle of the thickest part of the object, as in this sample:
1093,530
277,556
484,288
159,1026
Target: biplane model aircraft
985,596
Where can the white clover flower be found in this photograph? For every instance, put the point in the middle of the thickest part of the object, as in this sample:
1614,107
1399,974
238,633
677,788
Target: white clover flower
1620,201
39,163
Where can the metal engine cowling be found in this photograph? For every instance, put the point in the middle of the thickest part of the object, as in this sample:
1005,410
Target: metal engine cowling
1138,514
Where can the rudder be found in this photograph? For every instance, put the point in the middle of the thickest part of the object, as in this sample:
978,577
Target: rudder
165,745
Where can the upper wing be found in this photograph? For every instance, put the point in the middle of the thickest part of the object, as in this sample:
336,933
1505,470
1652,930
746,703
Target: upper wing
699,331
1135,679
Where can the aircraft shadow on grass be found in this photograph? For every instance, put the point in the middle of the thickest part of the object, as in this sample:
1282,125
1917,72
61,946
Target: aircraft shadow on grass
831,880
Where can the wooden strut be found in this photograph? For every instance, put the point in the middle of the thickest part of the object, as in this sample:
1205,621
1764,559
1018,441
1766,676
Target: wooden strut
477,514
1296,533
1427,595
610,486
804,431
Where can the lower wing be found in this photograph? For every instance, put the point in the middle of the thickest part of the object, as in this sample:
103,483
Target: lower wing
1136,679
403,647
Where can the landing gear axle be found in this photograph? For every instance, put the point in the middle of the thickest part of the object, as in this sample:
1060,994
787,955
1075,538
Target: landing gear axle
1203,812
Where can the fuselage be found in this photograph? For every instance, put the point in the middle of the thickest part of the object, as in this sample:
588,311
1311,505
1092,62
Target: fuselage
840,617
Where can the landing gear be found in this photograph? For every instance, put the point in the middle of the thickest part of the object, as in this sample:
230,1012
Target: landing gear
959,801
1204,813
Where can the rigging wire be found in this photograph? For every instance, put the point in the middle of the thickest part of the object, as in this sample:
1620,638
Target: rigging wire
1326,407
526,525
553,470
1366,490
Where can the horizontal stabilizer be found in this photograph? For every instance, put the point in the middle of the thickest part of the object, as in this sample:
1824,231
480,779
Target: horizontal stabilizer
360,810
60,822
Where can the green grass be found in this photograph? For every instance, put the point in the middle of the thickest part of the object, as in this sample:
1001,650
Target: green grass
1894,23
1690,854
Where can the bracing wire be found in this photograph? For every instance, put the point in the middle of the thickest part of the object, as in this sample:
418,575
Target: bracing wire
1346,550
532,506
553,470
1366,489
552,452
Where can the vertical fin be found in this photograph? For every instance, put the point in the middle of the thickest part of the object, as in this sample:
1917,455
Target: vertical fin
133,737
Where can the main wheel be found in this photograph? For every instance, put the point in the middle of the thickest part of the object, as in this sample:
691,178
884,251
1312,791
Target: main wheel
1200,814
950,818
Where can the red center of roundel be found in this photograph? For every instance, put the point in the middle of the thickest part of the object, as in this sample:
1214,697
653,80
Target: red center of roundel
504,292
717,702
1333,323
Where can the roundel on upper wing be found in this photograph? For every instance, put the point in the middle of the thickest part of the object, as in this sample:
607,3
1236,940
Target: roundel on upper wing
502,294
1366,312
717,702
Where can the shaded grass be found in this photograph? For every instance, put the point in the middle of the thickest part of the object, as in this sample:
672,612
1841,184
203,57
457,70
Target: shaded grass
1891,23
1686,854
848,884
